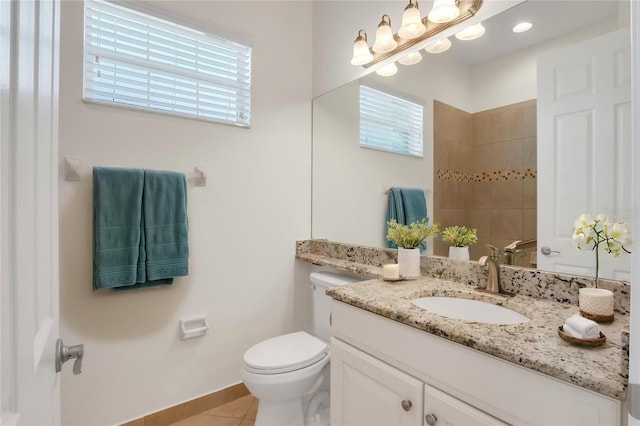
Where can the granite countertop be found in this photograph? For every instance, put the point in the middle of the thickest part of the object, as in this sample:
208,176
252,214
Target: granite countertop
535,344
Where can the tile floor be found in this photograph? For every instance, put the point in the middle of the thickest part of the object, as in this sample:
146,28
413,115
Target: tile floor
241,412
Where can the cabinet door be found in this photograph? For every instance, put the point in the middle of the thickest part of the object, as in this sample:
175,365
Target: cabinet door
365,391
444,410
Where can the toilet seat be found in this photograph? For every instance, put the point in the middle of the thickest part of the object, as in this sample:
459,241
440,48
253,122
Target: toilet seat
282,354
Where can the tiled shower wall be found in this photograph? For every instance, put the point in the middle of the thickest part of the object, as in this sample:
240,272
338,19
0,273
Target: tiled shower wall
485,174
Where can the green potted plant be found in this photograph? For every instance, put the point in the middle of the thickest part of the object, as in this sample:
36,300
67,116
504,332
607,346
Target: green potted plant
408,239
459,238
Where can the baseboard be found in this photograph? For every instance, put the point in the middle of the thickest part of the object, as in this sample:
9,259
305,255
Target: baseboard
191,408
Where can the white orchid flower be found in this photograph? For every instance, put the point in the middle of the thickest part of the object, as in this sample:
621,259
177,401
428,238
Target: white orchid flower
584,220
621,232
589,233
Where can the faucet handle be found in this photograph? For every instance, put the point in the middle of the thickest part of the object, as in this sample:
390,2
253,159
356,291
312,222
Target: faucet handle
495,252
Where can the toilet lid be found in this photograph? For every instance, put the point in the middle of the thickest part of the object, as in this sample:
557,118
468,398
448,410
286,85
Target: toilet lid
285,353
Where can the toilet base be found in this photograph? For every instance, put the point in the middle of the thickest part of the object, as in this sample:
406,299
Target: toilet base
280,413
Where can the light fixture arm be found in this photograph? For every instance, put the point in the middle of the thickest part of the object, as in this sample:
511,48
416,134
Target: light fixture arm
385,22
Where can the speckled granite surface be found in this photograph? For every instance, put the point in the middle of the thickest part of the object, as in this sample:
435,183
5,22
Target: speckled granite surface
547,299
368,261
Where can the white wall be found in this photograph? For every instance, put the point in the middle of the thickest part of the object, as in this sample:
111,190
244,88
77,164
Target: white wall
243,224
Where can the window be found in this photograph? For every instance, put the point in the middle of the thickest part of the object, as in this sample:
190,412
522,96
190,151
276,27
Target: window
390,123
142,61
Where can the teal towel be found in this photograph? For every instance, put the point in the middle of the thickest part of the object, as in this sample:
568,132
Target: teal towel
165,224
117,216
406,205
159,248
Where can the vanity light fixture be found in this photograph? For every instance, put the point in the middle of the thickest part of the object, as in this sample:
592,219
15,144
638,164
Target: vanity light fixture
384,37
414,30
412,25
471,33
522,27
439,46
387,70
411,58
361,53
443,11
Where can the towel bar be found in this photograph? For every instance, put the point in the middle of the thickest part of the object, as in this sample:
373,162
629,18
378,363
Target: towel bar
73,167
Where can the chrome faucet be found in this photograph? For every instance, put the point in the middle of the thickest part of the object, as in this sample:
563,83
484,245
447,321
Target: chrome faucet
493,263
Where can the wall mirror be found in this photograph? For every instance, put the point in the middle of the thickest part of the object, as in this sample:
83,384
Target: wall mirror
493,156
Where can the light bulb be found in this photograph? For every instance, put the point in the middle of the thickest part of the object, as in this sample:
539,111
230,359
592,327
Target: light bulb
387,70
411,58
412,25
361,53
384,37
471,33
443,11
439,46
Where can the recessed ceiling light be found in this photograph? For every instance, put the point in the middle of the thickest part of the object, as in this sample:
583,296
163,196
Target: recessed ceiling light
522,27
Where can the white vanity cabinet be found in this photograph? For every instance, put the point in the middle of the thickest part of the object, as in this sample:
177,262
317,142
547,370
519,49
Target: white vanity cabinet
377,363
368,392
444,410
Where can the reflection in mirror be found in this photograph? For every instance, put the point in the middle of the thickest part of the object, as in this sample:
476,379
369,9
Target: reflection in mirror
484,148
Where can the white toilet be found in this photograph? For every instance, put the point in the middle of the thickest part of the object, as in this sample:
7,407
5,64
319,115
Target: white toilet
289,374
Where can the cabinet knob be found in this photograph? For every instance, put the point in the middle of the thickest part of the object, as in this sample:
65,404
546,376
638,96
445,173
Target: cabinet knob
431,419
406,405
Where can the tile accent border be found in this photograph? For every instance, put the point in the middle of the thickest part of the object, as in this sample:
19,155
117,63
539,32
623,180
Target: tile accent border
496,176
191,408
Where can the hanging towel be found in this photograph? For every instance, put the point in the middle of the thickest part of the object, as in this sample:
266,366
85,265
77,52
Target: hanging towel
165,224
406,205
117,216
143,214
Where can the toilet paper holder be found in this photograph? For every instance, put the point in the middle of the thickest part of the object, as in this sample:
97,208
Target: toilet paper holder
195,326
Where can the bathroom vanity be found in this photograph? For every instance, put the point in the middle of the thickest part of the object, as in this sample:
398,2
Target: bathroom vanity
396,363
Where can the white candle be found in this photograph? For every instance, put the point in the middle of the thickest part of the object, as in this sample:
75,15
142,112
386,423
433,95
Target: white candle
596,301
391,272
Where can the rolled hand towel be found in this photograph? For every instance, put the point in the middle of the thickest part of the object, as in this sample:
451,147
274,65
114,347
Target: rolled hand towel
587,328
568,330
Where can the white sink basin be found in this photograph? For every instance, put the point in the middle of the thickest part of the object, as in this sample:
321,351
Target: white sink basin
470,310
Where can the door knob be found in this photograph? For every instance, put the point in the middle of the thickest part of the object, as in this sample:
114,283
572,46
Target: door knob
547,251
65,353
406,405
431,419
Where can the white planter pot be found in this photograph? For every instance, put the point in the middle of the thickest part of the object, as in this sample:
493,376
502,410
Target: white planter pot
596,304
459,253
409,262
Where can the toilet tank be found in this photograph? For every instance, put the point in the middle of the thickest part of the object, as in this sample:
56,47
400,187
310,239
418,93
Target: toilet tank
320,282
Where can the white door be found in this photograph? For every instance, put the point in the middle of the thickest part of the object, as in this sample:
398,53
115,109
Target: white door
584,148
30,388
368,392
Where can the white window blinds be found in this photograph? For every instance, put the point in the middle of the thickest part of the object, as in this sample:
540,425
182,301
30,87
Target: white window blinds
142,61
390,123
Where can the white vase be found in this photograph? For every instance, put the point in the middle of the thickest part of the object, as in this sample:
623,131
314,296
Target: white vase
409,262
596,304
459,253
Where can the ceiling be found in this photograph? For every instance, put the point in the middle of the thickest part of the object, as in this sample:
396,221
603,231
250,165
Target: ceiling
550,19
